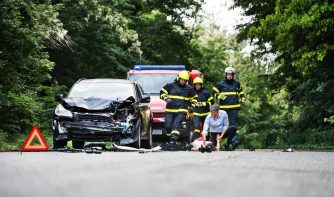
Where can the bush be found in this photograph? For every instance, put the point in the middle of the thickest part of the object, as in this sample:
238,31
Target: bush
251,140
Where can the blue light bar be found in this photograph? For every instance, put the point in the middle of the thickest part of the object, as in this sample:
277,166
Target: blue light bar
159,67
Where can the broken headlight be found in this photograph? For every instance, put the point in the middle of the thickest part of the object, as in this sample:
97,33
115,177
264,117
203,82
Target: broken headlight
62,112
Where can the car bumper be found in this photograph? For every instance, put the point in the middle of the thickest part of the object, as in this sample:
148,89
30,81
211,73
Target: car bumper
91,130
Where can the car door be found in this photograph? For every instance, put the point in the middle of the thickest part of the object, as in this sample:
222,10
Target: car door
145,112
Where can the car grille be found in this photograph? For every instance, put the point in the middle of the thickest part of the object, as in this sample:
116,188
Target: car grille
159,115
93,117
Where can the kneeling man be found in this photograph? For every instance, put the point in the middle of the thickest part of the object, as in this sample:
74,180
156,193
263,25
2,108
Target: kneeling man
217,124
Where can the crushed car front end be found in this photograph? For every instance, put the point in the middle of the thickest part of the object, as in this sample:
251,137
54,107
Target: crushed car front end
94,126
113,122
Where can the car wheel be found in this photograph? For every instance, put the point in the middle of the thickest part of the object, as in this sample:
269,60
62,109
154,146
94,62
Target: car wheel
137,144
147,143
57,143
76,144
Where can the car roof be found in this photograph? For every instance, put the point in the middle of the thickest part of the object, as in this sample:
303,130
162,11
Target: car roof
105,80
154,71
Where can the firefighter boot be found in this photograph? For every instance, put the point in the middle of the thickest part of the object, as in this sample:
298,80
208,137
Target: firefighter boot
173,139
235,141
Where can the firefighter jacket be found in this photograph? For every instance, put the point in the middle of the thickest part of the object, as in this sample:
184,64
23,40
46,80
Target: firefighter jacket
181,97
203,102
229,94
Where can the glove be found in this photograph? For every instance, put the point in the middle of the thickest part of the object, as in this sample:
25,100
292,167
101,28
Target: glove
190,116
168,100
164,97
221,96
198,104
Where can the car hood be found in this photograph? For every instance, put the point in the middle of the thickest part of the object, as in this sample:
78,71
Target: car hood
89,103
157,105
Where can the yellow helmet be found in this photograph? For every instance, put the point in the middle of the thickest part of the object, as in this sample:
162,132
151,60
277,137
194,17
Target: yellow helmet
198,80
183,75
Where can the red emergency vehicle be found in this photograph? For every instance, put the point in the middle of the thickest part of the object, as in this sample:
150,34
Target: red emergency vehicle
152,78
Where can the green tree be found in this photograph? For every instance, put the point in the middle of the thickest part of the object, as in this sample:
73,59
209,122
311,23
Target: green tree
109,37
164,37
300,35
261,122
25,28
103,44
213,52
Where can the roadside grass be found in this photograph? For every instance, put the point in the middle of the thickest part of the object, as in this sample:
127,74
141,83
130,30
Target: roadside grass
11,143
14,142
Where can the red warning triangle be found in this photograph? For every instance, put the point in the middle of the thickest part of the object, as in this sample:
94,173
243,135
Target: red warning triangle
35,132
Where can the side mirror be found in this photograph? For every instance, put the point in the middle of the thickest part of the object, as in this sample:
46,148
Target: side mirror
146,99
59,98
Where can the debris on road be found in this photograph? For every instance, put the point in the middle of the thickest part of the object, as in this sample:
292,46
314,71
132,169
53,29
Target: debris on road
93,150
67,150
119,148
173,147
288,150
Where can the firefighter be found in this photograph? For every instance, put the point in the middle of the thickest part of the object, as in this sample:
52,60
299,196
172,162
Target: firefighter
230,95
203,102
180,98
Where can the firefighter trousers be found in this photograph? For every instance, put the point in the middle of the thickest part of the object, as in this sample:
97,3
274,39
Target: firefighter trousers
173,122
232,116
198,120
229,134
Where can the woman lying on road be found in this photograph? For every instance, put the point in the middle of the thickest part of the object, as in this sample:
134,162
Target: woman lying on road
204,146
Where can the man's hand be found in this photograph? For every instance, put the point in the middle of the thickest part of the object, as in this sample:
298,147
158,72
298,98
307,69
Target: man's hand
218,138
191,109
168,100
203,136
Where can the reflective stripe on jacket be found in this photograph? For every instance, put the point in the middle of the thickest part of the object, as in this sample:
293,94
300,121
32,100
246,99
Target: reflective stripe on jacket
230,95
182,97
203,102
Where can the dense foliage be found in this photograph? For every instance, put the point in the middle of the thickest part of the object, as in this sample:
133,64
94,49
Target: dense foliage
300,37
25,82
47,45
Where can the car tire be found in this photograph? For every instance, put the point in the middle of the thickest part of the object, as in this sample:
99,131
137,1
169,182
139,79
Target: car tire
55,132
137,144
147,143
76,144
59,143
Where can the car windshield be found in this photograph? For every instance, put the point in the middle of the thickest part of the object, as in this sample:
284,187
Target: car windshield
152,83
104,90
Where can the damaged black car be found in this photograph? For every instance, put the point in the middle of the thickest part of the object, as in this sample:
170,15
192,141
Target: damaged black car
103,110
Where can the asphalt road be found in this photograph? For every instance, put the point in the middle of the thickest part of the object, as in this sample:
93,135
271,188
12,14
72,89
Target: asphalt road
170,174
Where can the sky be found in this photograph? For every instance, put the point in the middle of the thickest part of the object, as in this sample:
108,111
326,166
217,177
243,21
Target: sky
218,11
